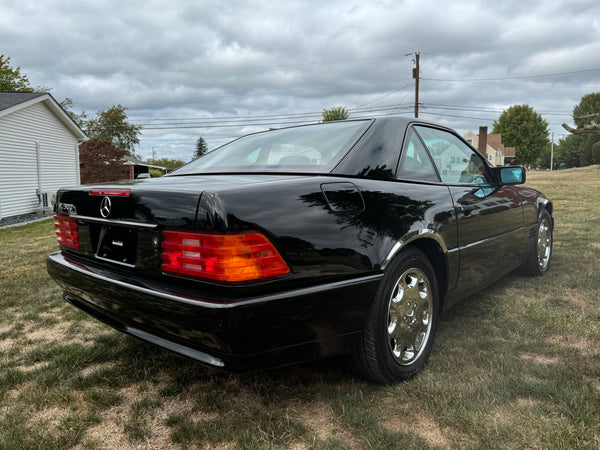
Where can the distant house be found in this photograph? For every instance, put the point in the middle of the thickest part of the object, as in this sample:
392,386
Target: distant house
135,167
491,147
39,151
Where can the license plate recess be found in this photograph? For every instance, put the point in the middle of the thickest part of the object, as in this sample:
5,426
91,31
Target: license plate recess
117,244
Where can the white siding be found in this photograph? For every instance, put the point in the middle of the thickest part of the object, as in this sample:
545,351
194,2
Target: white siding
59,160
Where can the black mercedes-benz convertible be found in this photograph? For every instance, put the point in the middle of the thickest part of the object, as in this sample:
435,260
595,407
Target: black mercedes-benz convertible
288,245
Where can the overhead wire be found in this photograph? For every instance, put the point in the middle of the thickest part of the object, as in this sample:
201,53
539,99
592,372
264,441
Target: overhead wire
360,111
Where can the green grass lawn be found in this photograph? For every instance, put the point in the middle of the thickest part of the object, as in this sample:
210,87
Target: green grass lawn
516,366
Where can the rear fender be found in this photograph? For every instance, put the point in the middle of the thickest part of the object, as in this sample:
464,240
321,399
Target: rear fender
410,238
211,213
434,247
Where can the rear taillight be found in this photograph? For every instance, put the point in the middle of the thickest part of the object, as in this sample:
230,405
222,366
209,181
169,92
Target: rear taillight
66,231
226,257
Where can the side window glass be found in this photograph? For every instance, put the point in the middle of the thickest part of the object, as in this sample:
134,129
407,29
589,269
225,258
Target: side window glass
456,162
252,158
415,162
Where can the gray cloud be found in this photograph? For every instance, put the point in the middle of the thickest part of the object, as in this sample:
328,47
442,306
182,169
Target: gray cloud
207,60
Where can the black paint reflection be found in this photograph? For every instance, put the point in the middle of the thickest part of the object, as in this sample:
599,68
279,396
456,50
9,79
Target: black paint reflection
378,172
385,214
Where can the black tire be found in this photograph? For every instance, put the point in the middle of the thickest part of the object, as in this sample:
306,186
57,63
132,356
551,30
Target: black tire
399,331
538,261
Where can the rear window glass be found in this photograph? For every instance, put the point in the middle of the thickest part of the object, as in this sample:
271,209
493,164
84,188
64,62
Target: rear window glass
311,148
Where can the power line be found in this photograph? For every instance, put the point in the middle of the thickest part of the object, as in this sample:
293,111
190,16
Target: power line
221,69
386,95
517,77
484,119
473,108
265,120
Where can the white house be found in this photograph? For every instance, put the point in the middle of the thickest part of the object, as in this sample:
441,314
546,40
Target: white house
39,151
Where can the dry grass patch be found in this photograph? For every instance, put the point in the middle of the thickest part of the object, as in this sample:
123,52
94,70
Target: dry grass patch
33,367
594,382
585,347
320,419
540,359
580,299
423,426
50,417
6,344
18,391
111,432
95,368
52,334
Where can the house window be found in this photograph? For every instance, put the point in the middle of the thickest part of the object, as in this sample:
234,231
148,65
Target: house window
490,158
470,141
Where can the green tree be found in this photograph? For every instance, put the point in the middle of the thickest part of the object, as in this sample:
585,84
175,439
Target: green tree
525,130
587,112
112,125
100,161
337,113
569,150
586,156
166,162
79,119
201,148
596,152
543,158
11,78
582,113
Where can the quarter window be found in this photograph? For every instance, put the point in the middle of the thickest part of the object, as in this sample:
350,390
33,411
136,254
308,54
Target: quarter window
456,162
415,163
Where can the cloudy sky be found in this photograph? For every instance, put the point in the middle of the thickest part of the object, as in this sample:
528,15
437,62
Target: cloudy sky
221,69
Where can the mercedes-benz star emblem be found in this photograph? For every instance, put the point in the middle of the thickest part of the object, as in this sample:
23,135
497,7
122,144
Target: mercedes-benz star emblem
105,207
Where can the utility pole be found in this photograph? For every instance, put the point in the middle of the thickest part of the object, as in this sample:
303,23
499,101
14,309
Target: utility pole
552,152
416,77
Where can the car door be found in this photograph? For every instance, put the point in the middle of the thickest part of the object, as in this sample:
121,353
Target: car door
491,237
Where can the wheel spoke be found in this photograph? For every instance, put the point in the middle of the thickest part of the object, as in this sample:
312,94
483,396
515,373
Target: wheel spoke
544,243
409,317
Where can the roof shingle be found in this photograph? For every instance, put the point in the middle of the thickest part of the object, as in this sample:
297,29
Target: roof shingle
9,99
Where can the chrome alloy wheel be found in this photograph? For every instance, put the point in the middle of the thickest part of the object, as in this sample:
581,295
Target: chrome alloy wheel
410,312
544,243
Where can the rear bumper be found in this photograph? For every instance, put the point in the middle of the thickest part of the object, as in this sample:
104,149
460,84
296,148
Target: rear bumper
228,333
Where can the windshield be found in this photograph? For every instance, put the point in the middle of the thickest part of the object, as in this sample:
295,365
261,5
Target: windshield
310,148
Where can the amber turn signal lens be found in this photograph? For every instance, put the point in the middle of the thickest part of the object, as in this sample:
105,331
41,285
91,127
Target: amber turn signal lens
226,257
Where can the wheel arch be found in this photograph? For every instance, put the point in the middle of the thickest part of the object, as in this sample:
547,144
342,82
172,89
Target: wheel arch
432,245
545,204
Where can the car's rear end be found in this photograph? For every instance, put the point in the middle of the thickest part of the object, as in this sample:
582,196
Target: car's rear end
226,268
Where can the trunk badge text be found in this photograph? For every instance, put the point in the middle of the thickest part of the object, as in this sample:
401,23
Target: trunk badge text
67,209
105,206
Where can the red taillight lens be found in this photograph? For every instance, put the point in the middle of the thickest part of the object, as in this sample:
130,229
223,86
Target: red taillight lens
227,257
66,231
111,192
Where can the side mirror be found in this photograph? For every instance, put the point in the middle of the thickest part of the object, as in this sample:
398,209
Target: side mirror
511,174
